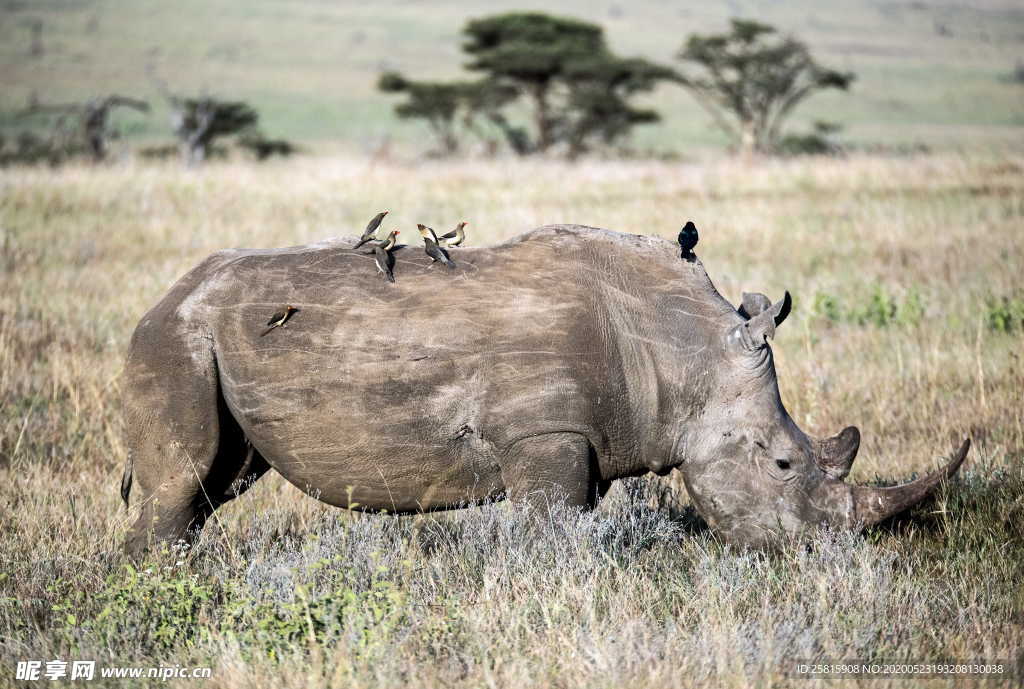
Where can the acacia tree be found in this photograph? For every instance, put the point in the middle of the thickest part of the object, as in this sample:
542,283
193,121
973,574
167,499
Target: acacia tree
598,105
751,78
445,105
576,89
197,122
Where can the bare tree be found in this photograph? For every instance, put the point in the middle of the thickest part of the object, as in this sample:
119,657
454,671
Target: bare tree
89,120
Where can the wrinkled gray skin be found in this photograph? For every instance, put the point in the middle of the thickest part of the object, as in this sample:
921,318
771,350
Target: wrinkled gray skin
544,368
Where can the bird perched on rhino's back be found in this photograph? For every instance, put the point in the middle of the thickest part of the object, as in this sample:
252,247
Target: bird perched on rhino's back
687,240
382,255
455,237
279,319
431,247
370,233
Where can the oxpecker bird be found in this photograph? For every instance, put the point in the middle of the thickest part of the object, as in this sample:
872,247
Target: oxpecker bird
430,245
427,232
279,319
687,240
382,255
455,237
371,229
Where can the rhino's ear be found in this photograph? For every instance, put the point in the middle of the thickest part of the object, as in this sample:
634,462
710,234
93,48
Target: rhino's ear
753,304
754,334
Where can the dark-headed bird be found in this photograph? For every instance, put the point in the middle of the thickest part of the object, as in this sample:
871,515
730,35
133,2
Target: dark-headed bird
687,240
455,237
432,248
371,229
279,319
382,255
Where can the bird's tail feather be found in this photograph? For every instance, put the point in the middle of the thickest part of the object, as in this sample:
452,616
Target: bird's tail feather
267,330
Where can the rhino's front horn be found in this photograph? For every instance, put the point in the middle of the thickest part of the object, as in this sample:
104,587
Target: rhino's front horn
872,505
836,454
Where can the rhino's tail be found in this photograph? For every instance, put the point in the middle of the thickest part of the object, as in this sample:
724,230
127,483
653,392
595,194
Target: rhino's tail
126,479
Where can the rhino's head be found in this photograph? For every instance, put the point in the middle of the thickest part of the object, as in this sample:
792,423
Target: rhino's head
753,474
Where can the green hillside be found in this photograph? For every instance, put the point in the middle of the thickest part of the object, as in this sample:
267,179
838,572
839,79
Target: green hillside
927,72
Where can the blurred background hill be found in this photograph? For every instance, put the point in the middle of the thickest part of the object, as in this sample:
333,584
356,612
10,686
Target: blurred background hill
943,75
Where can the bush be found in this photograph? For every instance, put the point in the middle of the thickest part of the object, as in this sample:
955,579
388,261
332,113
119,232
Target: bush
1005,314
880,308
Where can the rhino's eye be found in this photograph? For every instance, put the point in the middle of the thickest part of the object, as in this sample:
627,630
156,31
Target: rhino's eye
782,464
761,445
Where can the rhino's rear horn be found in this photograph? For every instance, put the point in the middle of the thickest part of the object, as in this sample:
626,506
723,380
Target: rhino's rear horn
872,505
835,455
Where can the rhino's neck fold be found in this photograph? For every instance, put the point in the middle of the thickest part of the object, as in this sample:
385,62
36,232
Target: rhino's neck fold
664,346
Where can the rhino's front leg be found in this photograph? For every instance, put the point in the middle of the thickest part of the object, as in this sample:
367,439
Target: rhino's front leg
551,468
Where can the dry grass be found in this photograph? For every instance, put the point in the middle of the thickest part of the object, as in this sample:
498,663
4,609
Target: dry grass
899,268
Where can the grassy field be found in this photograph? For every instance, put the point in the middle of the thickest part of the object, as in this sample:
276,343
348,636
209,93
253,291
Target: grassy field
928,72
908,322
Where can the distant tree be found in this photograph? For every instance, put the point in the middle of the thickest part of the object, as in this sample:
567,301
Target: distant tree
198,122
84,125
576,89
750,79
446,106
435,102
598,106
532,52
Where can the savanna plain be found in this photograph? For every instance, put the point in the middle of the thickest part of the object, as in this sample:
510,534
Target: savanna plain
908,322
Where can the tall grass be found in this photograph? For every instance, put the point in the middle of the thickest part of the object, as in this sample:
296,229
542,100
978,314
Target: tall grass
896,266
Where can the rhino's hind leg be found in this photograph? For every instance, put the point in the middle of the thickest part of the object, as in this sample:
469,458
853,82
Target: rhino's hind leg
551,468
188,454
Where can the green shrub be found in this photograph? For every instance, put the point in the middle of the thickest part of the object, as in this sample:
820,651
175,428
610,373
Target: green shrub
1005,314
828,307
159,609
324,614
911,310
881,308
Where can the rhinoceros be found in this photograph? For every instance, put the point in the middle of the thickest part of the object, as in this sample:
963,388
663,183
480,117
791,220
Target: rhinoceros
542,368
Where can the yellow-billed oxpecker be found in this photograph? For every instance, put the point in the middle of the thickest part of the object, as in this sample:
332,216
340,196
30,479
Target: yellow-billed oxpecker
427,232
279,319
371,229
432,249
382,255
687,240
455,237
